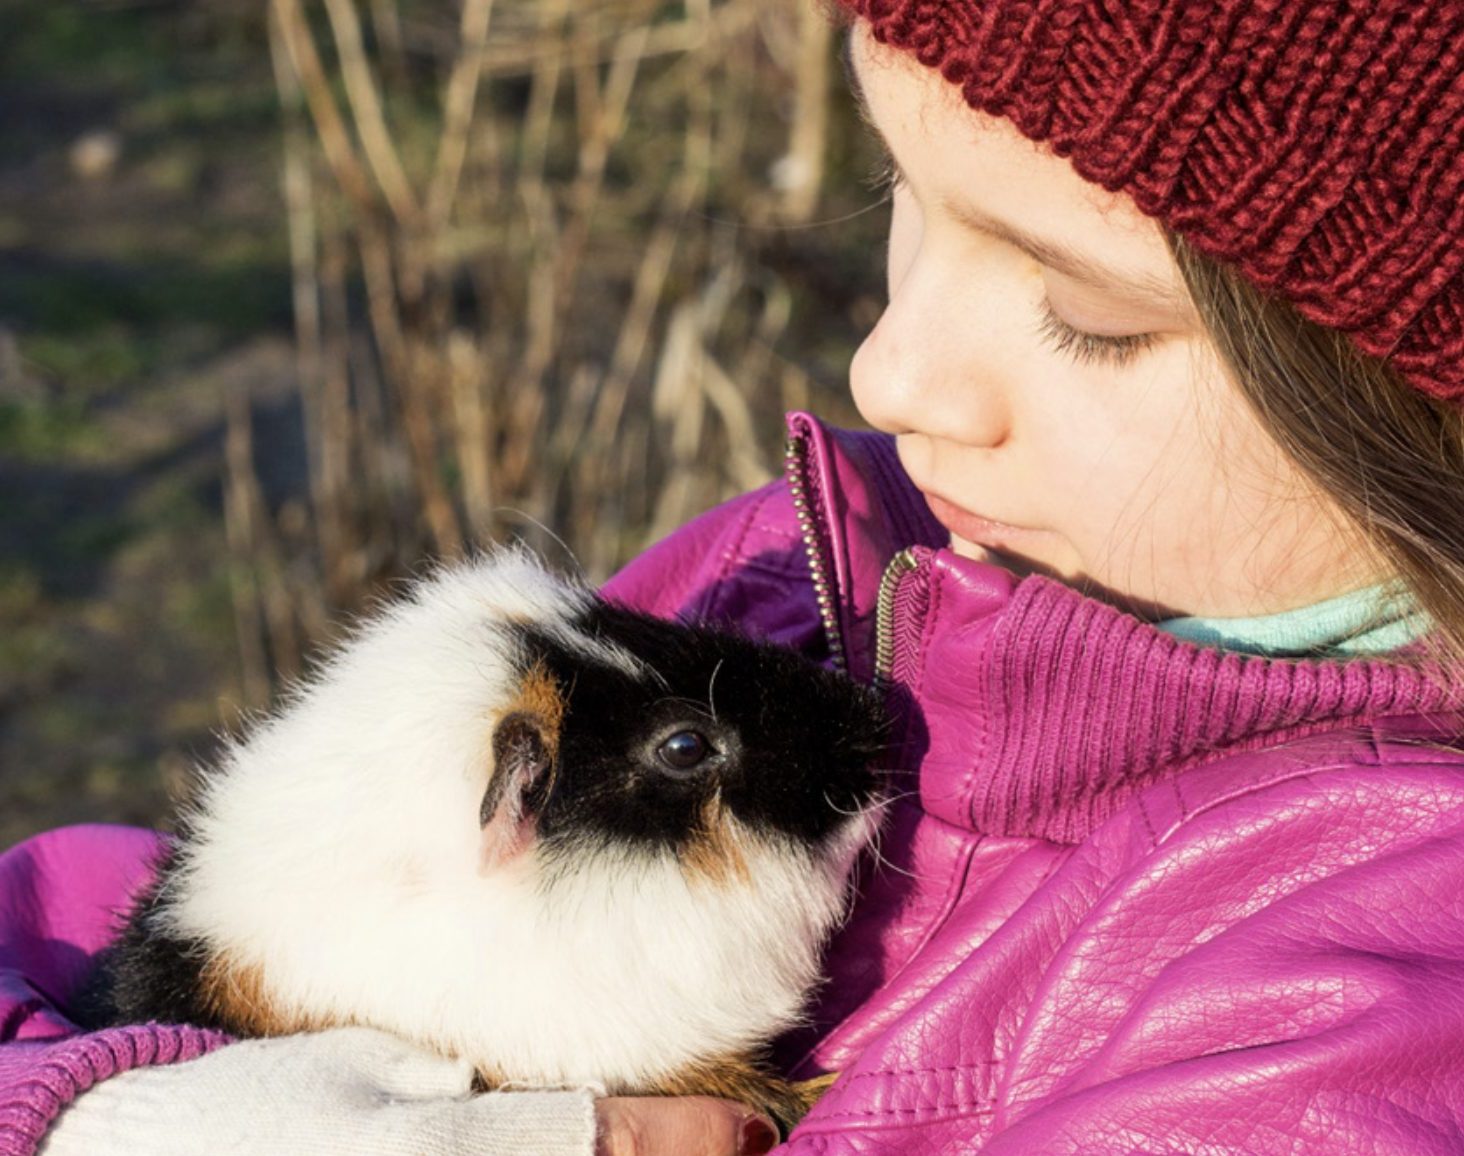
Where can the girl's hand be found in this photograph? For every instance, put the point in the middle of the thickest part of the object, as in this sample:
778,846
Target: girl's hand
346,1092
362,1092
680,1126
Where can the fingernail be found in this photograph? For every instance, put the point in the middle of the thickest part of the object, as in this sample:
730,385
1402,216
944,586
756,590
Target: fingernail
758,1136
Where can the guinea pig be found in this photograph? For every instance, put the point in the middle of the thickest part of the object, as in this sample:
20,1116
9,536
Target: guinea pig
518,824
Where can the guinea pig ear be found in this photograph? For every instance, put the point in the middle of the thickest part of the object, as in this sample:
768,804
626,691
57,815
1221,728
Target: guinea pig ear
523,754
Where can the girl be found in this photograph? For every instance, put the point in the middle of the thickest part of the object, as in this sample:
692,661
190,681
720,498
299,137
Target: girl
1163,570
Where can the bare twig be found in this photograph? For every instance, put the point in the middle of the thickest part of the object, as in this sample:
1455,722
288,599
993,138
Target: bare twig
386,23
609,124
802,167
239,515
466,367
304,270
577,246
457,112
335,139
365,102
334,428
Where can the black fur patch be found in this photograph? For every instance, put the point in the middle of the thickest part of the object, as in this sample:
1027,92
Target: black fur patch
789,749
790,744
147,974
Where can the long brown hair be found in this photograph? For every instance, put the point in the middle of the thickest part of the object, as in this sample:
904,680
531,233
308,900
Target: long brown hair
1389,456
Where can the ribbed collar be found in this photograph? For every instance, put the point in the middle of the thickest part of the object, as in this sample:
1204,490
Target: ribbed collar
1031,709
1375,620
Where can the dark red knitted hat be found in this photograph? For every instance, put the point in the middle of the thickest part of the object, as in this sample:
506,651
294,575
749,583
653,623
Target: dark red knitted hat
1317,146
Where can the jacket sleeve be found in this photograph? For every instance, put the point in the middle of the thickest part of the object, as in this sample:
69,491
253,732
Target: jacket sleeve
60,898
1282,972
1263,956
741,563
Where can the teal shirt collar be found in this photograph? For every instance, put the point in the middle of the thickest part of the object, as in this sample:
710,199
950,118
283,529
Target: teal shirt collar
1371,621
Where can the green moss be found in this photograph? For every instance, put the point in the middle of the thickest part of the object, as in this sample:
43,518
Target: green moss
105,46
206,106
32,653
107,356
40,431
233,291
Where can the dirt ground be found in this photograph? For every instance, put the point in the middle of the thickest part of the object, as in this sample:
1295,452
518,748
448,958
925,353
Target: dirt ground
143,275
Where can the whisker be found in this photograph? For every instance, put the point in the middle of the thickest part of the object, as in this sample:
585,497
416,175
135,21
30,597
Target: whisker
524,515
711,686
836,809
661,679
881,861
695,705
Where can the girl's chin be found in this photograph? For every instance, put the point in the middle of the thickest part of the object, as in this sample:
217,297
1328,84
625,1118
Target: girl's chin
1142,608
966,549
1014,562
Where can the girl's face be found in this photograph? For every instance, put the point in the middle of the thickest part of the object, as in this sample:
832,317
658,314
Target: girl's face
1050,386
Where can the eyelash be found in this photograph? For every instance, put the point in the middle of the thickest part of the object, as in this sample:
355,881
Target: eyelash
1091,347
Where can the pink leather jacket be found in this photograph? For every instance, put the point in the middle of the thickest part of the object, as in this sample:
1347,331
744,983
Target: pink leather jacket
1135,896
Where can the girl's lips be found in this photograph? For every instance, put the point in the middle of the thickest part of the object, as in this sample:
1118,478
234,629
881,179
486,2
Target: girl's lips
971,527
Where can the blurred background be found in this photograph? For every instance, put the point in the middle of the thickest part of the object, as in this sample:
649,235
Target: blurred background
297,294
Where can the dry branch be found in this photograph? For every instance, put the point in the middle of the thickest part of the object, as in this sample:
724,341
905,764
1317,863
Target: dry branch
367,114
540,308
457,112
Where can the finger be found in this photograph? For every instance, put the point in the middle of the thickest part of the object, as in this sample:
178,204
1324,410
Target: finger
680,1126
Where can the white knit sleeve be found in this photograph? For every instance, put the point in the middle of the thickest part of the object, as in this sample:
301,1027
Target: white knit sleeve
351,1091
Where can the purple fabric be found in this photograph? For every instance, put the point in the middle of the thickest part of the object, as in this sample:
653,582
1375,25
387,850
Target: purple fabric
1136,896
1140,896
60,894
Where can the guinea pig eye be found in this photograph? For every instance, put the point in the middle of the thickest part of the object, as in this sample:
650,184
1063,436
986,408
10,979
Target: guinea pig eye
683,751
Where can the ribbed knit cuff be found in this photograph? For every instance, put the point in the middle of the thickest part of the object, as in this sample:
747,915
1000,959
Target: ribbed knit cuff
37,1080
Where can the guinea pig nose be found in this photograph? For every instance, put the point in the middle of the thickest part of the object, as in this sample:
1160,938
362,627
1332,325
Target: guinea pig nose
683,751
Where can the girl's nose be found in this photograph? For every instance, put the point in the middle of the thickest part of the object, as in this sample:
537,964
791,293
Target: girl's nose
922,369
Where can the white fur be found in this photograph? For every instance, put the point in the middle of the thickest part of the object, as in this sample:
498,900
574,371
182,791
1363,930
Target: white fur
339,848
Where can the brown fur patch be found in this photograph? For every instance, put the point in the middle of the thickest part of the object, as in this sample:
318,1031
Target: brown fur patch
539,703
714,852
539,695
743,1079
539,706
238,996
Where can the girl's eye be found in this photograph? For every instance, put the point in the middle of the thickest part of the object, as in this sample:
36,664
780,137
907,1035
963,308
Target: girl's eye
1091,347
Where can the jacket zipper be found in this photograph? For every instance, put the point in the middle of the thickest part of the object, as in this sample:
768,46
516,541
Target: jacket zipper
884,616
820,565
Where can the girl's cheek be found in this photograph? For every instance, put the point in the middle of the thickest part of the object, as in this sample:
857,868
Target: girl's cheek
906,231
